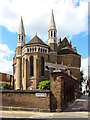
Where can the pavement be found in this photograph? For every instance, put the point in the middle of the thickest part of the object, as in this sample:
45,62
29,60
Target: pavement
38,115
80,105
78,109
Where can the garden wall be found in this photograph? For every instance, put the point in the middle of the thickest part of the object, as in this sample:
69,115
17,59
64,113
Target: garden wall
63,91
36,99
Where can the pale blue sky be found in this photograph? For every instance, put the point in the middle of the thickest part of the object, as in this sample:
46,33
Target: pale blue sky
71,19
80,40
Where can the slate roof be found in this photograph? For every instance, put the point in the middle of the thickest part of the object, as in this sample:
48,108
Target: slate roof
36,40
67,51
56,66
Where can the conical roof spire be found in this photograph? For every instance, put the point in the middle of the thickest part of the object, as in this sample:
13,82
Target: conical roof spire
52,22
21,27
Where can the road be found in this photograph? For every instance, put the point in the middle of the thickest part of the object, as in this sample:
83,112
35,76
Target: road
79,109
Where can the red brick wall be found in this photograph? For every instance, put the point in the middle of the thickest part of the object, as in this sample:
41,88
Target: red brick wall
5,77
64,90
26,99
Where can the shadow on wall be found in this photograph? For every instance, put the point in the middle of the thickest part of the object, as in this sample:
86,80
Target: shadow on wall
53,102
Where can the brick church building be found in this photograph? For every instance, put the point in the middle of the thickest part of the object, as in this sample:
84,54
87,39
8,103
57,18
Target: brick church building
35,61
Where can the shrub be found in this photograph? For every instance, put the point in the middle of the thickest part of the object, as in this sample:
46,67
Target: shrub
6,87
44,85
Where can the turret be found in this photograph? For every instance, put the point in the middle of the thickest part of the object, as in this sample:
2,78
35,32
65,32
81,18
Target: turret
70,43
52,34
21,34
20,44
75,50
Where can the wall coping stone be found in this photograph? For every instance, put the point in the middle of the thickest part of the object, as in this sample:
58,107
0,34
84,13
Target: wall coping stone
24,91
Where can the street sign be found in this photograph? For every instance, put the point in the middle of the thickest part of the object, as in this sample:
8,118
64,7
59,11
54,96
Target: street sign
41,94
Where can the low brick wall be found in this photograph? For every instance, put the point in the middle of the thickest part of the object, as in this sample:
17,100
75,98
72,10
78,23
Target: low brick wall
28,99
63,91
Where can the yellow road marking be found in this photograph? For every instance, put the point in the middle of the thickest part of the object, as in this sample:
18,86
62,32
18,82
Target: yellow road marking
26,112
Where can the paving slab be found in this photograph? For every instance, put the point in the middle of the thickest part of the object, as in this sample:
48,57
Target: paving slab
79,105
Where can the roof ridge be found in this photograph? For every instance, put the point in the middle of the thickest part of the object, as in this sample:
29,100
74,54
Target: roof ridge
36,40
64,39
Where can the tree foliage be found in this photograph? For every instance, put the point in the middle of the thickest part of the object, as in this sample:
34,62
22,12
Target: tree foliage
6,87
44,85
81,75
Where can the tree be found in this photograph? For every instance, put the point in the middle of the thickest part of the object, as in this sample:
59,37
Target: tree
44,85
6,87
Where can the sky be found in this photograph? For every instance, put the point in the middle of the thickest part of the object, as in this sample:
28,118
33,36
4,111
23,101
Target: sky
71,18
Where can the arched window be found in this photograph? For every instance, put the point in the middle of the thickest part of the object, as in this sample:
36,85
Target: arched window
19,37
22,38
38,49
42,66
27,49
41,49
51,34
45,51
30,49
35,48
31,65
54,34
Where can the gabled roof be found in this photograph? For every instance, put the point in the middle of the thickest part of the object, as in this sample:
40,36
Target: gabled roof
67,51
64,42
65,48
36,40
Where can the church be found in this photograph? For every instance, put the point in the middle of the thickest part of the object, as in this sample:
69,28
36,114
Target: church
34,61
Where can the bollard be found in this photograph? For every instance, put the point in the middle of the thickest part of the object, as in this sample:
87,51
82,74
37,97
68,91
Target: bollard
10,108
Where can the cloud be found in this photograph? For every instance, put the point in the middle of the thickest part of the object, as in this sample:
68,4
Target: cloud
4,51
5,63
85,34
6,66
70,19
84,66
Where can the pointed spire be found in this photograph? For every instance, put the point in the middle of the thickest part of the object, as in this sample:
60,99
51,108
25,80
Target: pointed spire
59,41
69,42
21,27
52,22
75,50
36,34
